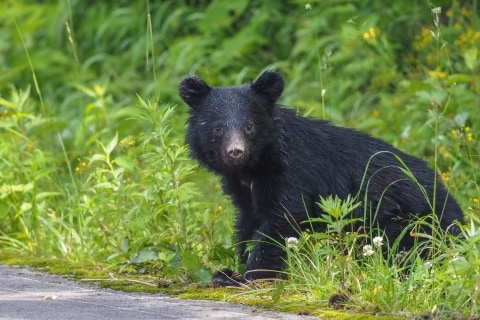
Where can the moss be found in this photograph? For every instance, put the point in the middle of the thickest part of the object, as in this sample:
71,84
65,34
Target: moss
292,303
128,285
86,272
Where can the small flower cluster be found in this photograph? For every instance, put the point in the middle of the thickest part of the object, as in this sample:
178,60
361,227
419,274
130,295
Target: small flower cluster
468,39
423,39
468,134
82,165
456,134
371,34
369,250
437,74
292,243
476,205
445,176
127,142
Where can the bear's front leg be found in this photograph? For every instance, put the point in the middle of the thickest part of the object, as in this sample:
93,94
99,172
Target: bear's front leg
246,227
267,257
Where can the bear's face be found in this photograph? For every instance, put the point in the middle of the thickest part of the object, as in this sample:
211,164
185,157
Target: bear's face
230,128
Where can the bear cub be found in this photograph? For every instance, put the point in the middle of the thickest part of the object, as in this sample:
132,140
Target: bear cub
275,164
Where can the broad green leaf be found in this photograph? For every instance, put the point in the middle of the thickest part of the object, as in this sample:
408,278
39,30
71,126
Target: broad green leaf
470,57
113,144
144,256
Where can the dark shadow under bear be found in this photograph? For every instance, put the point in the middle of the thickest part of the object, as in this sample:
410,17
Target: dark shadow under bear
274,164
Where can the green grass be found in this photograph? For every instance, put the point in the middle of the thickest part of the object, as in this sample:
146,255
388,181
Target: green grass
371,276
95,171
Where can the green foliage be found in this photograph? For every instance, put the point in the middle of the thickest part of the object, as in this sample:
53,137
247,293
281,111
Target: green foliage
116,202
92,170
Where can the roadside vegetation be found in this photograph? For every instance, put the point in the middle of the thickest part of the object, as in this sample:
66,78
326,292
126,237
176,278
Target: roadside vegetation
95,172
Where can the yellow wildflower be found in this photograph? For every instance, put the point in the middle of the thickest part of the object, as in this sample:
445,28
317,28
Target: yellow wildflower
454,133
371,33
128,141
445,176
435,74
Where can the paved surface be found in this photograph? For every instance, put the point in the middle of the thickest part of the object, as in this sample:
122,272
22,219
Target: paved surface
25,294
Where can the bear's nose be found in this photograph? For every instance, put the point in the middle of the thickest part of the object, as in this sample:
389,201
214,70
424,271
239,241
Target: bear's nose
235,153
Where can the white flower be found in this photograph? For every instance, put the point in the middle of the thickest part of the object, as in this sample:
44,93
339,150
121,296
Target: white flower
377,242
437,10
292,242
368,250
308,6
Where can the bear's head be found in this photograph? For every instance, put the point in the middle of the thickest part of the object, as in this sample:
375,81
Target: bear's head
231,128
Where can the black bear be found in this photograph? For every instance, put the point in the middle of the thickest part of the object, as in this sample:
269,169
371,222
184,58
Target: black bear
275,164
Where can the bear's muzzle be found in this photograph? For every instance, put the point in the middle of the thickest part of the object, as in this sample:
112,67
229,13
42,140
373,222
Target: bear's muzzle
235,151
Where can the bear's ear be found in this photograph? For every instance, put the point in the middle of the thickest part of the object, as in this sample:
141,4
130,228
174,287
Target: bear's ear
193,89
269,84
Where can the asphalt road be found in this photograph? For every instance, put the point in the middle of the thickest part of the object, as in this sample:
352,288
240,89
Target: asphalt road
25,294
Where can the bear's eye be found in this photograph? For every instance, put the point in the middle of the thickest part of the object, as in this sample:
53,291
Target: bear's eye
218,130
249,127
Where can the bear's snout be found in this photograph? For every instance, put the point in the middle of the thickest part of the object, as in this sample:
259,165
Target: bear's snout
235,151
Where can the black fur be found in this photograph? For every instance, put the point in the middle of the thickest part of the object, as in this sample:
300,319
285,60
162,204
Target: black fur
274,164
